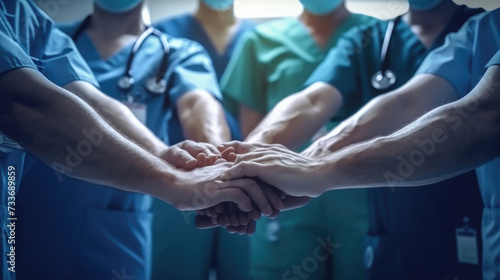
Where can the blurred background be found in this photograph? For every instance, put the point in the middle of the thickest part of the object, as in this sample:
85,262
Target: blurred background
260,10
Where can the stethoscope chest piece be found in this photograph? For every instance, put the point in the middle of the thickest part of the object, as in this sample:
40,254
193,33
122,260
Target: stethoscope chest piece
125,83
383,81
156,87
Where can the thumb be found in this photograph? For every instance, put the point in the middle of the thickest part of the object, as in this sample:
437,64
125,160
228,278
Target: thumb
237,196
180,159
242,169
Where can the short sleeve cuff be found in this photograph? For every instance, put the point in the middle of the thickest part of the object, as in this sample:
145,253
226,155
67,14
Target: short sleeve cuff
495,60
62,63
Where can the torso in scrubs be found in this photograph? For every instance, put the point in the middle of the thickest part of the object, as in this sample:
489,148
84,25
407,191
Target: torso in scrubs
27,39
178,242
98,232
187,26
462,61
272,62
404,240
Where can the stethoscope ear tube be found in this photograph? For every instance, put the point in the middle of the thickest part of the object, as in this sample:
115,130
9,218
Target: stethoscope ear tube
156,85
385,78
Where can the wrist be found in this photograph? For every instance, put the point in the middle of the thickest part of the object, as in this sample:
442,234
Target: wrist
156,178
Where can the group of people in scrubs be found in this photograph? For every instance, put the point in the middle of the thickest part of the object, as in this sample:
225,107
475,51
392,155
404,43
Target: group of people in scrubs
52,107
399,232
328,100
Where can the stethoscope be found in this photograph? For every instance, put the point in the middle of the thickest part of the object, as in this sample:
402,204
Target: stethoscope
385,78
156,85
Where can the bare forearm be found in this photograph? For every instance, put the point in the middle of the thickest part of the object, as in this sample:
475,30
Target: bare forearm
389,112
445,142
202,118
298,117
118,116
66,134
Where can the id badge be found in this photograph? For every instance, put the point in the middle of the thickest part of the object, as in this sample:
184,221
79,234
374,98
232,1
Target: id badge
138,109
467,245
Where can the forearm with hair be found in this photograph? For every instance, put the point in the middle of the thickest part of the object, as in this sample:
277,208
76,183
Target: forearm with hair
389,112
202,118
118,116
296,119
447,141
67,134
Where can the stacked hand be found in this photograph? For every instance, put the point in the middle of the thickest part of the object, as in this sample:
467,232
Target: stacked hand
233,218
234,184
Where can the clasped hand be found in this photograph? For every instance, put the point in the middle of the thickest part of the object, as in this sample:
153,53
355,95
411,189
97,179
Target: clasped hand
238,201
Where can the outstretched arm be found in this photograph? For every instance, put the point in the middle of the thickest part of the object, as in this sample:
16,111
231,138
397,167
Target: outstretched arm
298,117
202,118
118,116
53,124
447,141
387,113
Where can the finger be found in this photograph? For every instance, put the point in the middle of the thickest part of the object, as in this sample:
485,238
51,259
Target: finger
233,214
281,194
243,217
232,229
292,202
203,222
229,154
251,226
225,220
274,214
242,169
202,160
210,212
271,194
211,148
238,146
219,208
237,196
179,158
255,215
195,148
200,212
242,229
253,191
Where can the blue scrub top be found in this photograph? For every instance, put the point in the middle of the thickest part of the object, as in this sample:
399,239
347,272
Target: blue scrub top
101,230
28,39
461,61
187,26
404,241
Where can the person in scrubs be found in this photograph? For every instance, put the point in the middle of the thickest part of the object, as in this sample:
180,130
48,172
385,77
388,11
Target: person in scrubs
456,93
215,26
46,90
273,61
101,231
416,243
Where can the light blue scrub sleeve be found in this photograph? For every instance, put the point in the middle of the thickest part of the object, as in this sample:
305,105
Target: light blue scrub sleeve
341,65
62,63
193,70
12,55
495,60
452,61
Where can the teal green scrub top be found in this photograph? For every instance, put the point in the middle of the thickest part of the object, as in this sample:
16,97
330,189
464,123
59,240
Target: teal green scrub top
461,61
28,39
273,61
270,63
